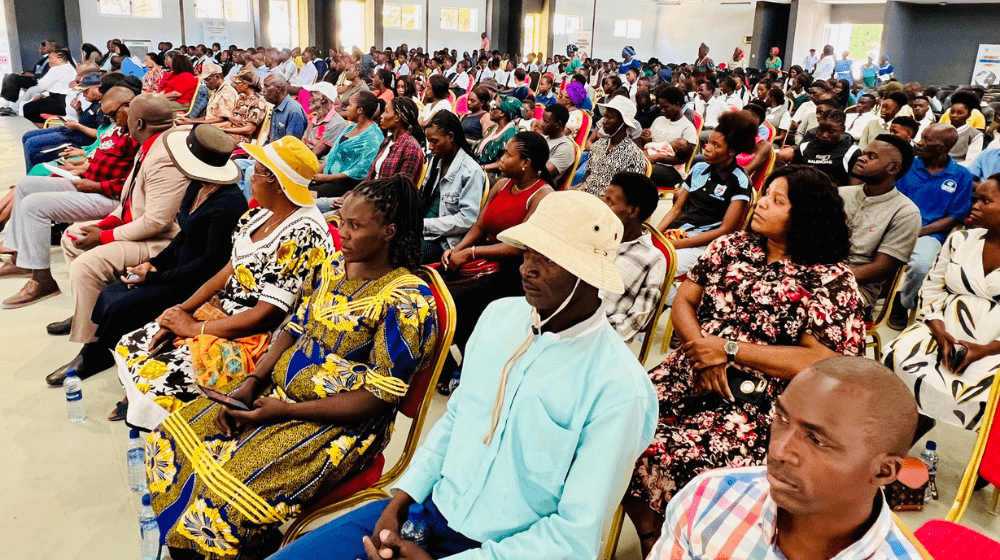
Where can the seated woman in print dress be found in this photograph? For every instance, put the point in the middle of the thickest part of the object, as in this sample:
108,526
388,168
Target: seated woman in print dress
770,302
220,332
323,397
957,306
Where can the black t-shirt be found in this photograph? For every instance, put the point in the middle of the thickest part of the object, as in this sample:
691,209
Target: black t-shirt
836,161
647,117
710,192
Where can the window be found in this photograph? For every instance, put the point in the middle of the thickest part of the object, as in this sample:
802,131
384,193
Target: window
229,10
401,16
859,40
135,8
629,28
565,25
352,34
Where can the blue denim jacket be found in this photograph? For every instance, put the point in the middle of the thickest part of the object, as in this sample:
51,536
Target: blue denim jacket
462,190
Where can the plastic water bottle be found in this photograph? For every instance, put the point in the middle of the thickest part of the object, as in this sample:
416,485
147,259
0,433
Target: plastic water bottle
74,397
415,528
149,531
930,457
453,384
136,462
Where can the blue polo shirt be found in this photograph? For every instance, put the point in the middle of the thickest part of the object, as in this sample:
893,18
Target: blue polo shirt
288,118
947,194
987,164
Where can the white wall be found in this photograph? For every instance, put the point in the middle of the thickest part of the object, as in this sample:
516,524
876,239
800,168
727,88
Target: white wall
439,38
857,13
810,21
669,33
98,28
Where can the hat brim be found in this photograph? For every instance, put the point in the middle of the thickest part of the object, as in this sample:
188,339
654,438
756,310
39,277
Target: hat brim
192,167
590,267
298,194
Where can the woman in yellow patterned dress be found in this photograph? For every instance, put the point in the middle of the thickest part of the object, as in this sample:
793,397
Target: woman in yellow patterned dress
213,340
324,397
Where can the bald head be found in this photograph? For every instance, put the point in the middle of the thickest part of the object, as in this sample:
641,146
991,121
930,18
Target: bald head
946,133
85,68
149,114
119,94
888,413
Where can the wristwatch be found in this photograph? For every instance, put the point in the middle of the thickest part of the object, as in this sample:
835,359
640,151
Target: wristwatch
731,348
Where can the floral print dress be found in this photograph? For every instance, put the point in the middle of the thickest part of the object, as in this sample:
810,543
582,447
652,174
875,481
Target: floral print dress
218,495
746,299
270,270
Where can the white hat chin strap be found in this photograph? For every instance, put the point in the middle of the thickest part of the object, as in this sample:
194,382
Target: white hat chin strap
537,324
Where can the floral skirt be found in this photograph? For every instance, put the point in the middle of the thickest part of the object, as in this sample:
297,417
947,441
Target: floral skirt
734,435
157,386
220,496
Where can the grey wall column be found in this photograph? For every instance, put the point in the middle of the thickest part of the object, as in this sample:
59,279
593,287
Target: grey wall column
378,35
74,33
15,53
37,21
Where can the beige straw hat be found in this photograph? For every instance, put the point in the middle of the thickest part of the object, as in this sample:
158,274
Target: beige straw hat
202,153
577,231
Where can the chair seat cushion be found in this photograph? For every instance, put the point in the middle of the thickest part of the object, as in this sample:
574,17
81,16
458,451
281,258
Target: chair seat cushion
945,541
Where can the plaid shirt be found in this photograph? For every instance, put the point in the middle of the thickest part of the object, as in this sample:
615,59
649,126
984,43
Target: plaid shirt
643,267
405,158
729,513
112,161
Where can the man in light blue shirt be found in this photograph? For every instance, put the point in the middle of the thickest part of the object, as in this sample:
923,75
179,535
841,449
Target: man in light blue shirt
986,165
538,442
287,118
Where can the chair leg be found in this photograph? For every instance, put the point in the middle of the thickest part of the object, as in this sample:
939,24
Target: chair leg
994,502
616,532
877,340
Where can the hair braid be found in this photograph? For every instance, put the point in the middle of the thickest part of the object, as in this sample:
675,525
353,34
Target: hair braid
398,200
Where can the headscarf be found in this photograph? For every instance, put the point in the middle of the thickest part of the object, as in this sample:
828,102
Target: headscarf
576,92
571,50
741,55
775,51
510,107
629,51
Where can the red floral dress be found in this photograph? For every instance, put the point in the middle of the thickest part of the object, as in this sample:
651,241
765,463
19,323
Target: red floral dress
749,300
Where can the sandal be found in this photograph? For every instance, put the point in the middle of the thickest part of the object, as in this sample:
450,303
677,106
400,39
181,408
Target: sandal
118,414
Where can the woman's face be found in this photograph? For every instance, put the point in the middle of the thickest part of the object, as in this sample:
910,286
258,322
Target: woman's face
565,101
400,88
496,115
474,103
377,81
717,151
512,165
612,121
168,62
264,186
761,91
241,87
365,234
986,206
793,73
353,112
149,62
773,216
837,88
439,142
389,119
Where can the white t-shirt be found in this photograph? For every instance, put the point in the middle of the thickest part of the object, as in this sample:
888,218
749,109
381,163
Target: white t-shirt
428,111
824,68
665,130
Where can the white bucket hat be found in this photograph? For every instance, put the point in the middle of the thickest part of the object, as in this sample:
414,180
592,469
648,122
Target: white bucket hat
627,108
327,89
202,153
577,231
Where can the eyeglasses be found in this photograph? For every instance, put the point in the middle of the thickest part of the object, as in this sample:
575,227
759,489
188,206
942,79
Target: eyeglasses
114,114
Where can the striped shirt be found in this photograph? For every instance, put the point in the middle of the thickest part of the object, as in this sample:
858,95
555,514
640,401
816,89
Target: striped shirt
729,513
643,267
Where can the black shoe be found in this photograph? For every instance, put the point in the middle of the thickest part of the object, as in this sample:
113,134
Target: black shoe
899,316
60,328
7,112
56,378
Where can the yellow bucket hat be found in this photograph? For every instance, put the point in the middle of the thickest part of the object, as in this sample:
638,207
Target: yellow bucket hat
292,162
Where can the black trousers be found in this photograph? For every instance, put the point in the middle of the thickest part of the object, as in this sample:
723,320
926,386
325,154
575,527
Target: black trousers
52,104
665,176
13,84
333,189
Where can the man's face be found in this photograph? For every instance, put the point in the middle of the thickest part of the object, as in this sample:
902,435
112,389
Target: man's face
274,91
819,458
614,197
920,108
889,109
931,145
546,284
878,161
550,126
901,131
704,92
117,111
214,81
816,93
865,105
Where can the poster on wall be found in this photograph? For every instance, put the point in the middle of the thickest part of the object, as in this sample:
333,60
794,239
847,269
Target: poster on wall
465,20
449,19
215,32
986,72
583,44
410,16
392,16
5,63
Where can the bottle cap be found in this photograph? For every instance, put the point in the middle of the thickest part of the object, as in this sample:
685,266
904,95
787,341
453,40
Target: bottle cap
133,434
145,500
71,372
931,445
416,510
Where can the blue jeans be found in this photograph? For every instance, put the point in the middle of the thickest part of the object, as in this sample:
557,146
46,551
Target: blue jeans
340,539
921,260
37,140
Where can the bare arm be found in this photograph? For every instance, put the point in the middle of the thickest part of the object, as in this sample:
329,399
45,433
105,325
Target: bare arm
879,270
944,225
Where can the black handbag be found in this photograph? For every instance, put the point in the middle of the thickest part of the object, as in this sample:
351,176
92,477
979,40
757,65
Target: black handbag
744,386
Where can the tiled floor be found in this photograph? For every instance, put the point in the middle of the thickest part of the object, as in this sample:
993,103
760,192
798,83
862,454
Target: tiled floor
63,491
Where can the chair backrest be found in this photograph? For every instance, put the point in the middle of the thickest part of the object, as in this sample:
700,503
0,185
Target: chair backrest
423,174
770,131
568,179
199,102
581,136
748,213
887,294
649,168
265,127
452,99
462,105
690,161
670,254
759,176
533,78
539,111
987,427
698,122
417,401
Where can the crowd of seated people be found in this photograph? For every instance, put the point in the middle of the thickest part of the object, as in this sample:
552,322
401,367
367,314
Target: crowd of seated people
252,220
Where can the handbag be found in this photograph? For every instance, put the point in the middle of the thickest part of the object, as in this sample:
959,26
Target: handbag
478,267
906,493
744,386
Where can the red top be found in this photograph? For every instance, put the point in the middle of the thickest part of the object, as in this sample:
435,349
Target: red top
184,83
508,209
